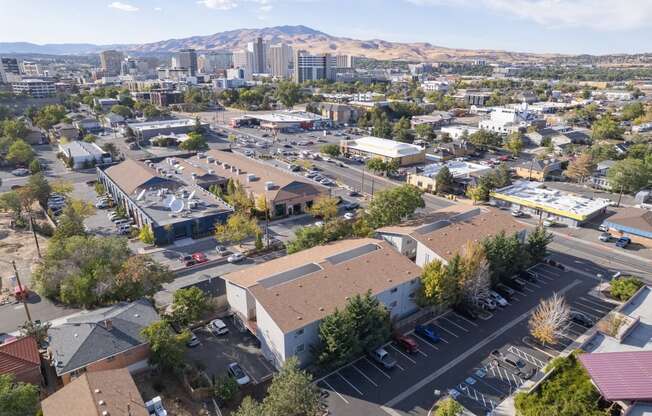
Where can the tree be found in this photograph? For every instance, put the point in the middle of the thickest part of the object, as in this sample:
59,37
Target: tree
188,305
141,276
629,175
195,142
20,153
225,388
292,392
37,330
62,187
477,194
10,201
50,115
444,180
249,407
17,398
121,110
581,168
89,138
111,149
338,342
34,166
438,285
505,255
448,407
324,207
83,208
262,206
166,348
624,287
14,129
424,131
370,320
474,279
550,320
402,130
146,235
537,243
514,143
70,223
288,93
606,128
38,188
238,227
330,149
483,139
376,165
632,111
391,206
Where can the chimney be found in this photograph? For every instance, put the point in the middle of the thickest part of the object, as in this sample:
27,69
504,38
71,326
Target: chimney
108,324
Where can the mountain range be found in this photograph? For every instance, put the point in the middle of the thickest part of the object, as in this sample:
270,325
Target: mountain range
299,37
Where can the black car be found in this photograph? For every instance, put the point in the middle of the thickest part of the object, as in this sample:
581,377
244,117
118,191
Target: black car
529,275
466,311
581,319
515,283
504,291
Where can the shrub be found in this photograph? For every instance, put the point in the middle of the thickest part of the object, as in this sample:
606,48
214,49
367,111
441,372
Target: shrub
624,287
225,388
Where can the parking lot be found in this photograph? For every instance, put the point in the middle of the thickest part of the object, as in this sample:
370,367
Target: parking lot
461,364
215,353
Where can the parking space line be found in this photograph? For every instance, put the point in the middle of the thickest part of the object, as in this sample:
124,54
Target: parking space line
350,384
528,357
583,308
533,284
464,319
400,352
591,307
528,289
450,332
336,392
460,327
607,306
364,375
399,367
494,388
376,367
516,383
550,279
422,353
515,299
427,342
542,351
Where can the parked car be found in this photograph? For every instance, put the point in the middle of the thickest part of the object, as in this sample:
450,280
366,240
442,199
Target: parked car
506,292
101,204
623,242
517,213
20,172
581,319
221,250
487,304
351,206
238,374
193,341
500,301
515,283
199,257
605,237
186,258
349,216
218,327
466,311
428,332
511,361
548,223
529,275
354,193
603,228
382,357
235,257
407,343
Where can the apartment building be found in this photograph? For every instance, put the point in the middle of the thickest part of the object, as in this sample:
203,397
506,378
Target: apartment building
283,301
309,67
279,60
187,59
35,88
111,62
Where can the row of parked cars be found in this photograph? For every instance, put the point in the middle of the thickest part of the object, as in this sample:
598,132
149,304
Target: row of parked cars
606,237
56,203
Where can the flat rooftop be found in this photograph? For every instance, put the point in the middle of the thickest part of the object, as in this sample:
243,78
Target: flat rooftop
163,124
304,287
293,117
458,169
383,147
536,195
81,149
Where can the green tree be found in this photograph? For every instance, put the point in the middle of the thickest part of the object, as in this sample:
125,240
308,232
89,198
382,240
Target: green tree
624,287
330,149
14,129
606,128
195,142
632,111
288,93
438,284
391,206
292,392
484,139
537,243
238,227
50,115
402,130
629,175
20,153
444,180
505,254
448,407
121,110
370,320
35,329
338,341
188,305
514,143
70,223
140,276
89,138
38,187
376,165
17,398
166,348
424,131
381,127
249,407
34,166
225,388
10,201
477,194
324,207
146,235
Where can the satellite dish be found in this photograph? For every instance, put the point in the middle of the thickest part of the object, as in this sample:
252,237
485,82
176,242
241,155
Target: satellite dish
191,195
141,195
176,206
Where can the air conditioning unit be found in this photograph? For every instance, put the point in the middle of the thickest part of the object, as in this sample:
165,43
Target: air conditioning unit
251,177
269,185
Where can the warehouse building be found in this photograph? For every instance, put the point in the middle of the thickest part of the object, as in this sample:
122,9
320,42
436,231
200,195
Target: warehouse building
404,154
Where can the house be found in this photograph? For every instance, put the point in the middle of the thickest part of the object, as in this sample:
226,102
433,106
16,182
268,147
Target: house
404,154
35,135
538,170
65,131
527,97
87,125
100,393
599,178
105,104
83,155
103,339
541,136
453,150
464,174
20,357
112,120
635,223
283,301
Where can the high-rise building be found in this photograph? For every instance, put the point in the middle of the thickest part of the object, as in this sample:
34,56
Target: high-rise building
279,58
9,70
259,49
244,59
111,62
36,88
30,68
186,58
345,61
313,67
214,61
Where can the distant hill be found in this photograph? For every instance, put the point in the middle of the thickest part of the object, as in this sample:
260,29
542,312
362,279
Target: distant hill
300,37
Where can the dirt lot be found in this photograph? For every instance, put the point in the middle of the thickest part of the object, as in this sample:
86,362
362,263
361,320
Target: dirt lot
175,399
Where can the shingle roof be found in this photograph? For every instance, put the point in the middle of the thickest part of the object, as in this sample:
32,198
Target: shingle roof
633,218
621,375
86,338
130,174
19,355
115,389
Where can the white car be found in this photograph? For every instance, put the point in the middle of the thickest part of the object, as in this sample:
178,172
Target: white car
218,327
101,204
235,257
497,298
548,223
238,374
20,172
604,228
517,213
349,216
319,224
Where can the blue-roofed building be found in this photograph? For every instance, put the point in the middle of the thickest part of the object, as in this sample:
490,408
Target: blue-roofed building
635,223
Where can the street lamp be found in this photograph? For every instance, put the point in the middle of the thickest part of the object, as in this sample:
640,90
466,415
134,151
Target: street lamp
21,287
601,279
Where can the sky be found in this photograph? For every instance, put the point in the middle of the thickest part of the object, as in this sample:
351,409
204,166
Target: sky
554,26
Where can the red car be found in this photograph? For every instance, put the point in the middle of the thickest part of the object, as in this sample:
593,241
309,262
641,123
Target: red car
199,257
407,343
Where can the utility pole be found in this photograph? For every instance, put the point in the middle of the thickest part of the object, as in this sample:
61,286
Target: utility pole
620,196
362,186
21,287
38,248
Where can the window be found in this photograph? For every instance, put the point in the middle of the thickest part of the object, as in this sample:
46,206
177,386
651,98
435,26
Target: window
299,348
393,290
412,295
393,305
298,333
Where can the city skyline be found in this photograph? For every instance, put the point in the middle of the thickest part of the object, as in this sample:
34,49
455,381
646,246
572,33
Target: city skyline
553,26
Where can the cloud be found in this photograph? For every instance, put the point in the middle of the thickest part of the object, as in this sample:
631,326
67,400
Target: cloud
603,15
219,4
158,9
123,6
